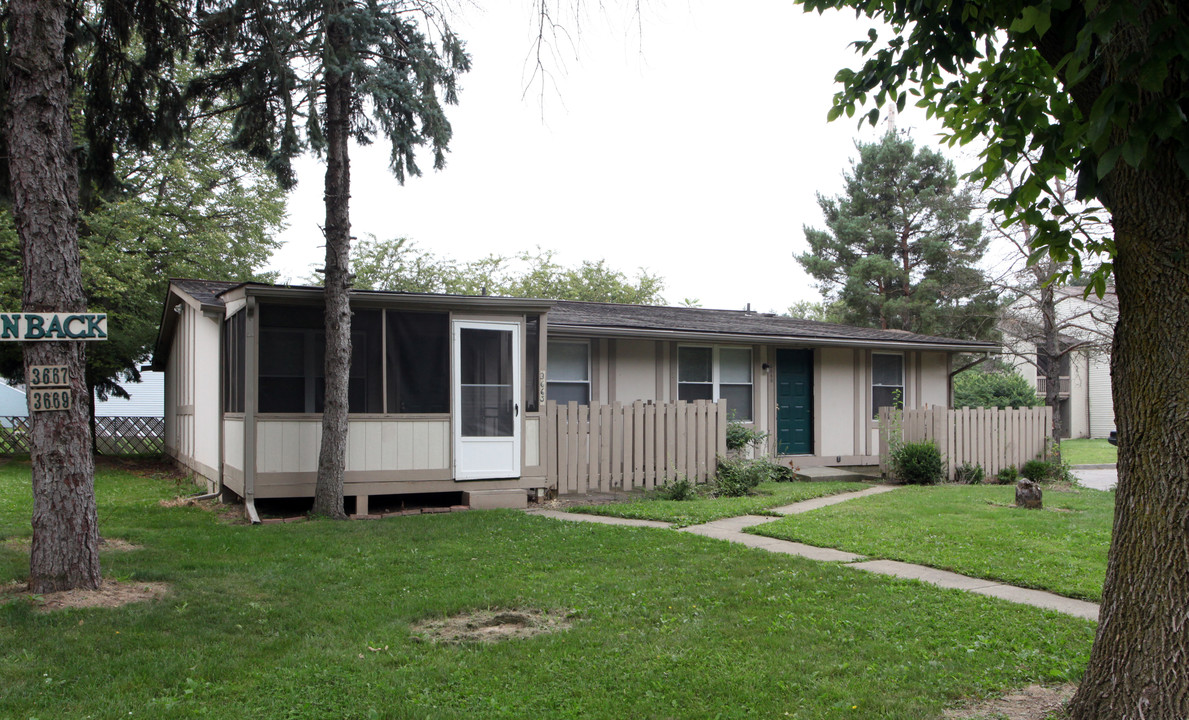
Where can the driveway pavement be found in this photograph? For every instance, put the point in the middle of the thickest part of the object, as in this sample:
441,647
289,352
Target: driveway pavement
1097,477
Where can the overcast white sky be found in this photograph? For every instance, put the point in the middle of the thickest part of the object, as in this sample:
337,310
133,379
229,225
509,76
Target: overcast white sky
694,151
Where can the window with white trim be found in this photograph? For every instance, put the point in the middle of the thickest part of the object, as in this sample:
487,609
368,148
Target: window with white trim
887,382
568,372
717,373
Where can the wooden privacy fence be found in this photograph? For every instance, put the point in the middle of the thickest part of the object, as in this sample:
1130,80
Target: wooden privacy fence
113,435
991,437
625,447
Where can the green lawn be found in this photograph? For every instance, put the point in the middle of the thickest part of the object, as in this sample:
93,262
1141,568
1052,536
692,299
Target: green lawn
312,620
702,510
973,530
1088,452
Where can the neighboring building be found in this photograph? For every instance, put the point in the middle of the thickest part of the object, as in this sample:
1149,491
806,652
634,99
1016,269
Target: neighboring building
12,402
1086,326
448,392
145,398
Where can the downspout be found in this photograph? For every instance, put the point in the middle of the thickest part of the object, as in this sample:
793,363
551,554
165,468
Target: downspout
251,400
218,489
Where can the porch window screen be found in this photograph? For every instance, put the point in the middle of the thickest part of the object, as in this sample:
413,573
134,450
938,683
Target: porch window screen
887,382
418,362
717,373
569,372
293,358
233,363
532,350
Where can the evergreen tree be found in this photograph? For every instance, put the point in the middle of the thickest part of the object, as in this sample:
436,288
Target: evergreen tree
900,249
346,71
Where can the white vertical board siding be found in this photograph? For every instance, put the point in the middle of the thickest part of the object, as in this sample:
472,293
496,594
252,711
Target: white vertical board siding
635,370
372,445
836,416
532,441
934,380
1079,395
1102,404
206,390
233,443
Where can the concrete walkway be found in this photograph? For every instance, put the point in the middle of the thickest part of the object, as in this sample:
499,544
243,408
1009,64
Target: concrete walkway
732,530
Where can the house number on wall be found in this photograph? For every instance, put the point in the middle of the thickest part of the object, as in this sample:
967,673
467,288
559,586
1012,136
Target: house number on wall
49,388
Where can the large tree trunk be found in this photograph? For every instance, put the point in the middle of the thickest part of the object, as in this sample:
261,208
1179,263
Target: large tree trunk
1139,666
1050,350
332,459
44,179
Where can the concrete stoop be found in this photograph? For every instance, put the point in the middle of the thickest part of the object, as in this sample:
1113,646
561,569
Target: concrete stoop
513,498
839,474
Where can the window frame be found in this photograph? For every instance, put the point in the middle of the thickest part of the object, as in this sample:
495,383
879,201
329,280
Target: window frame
716,375
550,382
873,384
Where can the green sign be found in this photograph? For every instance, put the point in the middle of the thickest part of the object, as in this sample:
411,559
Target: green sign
52,326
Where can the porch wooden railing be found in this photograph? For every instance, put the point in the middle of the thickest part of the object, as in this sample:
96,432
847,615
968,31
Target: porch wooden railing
599,448
991,437
1063,386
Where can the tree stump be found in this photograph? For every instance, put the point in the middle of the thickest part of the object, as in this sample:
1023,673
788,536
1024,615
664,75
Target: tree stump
1028,494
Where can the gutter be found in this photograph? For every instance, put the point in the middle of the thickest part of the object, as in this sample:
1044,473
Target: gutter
560,329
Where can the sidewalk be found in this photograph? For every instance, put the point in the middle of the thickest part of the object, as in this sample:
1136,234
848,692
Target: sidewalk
732,530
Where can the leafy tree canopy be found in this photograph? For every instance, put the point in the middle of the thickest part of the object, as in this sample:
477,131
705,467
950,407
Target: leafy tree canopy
998,388
399,265
196,209
900,249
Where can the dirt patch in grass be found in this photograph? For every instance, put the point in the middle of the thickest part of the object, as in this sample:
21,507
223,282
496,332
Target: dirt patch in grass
110,594
23,544
490,626
1031,703
228,513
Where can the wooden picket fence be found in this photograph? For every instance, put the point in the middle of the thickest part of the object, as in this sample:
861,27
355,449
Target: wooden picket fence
599,448
993,438
113,435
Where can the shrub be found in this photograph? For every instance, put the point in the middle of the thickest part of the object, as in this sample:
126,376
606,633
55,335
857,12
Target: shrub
679,489
1037,470
737,477
740,436
1008,476
969,474
918,463
993,389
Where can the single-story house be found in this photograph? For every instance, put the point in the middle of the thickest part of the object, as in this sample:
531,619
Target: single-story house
449,393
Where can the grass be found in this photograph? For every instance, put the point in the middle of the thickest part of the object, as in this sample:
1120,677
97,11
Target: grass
1088,452
682,513
280,621
972,530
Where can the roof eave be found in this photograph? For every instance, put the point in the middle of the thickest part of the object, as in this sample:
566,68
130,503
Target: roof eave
561,328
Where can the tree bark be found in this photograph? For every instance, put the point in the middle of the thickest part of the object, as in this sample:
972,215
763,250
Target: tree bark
332,458
1050,349
44,181
1139,665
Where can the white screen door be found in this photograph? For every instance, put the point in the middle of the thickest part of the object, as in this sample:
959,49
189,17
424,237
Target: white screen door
486,400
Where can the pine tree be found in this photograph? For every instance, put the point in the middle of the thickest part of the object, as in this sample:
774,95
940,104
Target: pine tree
900,249
346,71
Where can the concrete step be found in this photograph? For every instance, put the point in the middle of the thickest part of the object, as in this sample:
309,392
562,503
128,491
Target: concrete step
844,474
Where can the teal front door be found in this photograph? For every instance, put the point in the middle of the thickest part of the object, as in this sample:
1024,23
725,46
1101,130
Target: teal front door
794,402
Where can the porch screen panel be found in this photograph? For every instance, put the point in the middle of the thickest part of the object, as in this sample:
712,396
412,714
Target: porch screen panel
532,345
418,362
292,360
233,363
486,380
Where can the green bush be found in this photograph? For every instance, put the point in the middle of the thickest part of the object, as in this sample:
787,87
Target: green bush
993,389
740,436
1037,470
969,474
1008,475
737,477
679,489
918,463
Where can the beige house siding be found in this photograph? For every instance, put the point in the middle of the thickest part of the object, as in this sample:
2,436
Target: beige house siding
834,401
934,379
1079,396
635,369
192,393
1102,404
233,454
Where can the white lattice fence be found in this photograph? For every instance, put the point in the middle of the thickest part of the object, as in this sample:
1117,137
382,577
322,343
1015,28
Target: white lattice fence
113,435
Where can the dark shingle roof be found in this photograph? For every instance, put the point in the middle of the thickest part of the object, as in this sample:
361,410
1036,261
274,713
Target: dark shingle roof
205,291
577,315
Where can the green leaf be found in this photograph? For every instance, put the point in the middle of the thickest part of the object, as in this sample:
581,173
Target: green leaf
1033,18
